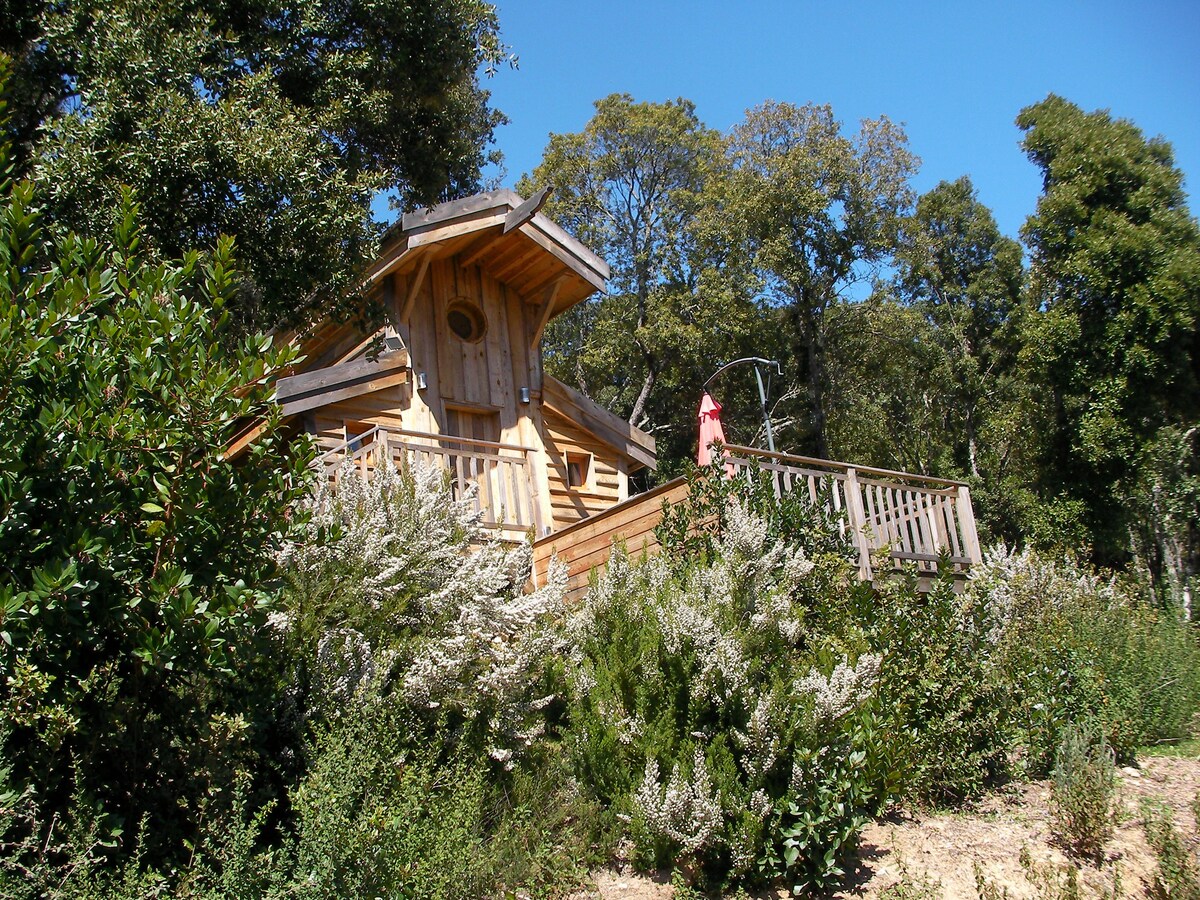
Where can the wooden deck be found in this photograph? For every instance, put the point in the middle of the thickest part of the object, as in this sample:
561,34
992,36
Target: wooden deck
906,518
917,519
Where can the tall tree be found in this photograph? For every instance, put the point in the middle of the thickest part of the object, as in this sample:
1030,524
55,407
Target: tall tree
888,376
1116,283
816,210
632,185
273,122
956,268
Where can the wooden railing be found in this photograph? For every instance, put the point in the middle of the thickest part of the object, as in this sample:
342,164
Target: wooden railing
500,473
917,519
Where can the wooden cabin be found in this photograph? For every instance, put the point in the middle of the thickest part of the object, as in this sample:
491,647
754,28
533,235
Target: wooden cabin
455,377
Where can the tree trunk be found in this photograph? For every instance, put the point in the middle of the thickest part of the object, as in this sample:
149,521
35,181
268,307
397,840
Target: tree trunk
812,341
639,406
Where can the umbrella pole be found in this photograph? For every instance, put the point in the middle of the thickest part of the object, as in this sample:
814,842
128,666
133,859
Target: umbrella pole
762,402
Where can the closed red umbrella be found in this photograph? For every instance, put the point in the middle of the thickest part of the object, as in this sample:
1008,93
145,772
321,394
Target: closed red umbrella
710,431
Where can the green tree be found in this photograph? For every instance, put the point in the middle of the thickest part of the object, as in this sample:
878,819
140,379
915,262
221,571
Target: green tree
272,122
632,185
135,559
959,271
1115,289
814,210
887,383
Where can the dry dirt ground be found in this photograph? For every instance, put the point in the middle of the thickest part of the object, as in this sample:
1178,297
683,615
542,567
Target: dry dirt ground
942,852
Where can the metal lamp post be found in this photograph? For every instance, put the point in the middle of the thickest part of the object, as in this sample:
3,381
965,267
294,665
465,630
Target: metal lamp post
762,393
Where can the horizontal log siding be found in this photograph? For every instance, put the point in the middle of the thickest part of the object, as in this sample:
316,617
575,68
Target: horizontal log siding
568,504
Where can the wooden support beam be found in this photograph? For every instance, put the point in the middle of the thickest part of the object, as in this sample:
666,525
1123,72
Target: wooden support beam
386,268
300,393
526,210
358,348
242,442
418,279
545,312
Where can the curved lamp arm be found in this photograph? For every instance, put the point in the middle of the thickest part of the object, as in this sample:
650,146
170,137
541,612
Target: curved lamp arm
762,393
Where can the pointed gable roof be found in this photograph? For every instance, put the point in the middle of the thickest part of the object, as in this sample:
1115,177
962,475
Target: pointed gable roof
505,235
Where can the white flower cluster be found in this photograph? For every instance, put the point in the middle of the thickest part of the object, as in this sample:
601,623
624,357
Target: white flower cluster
494,639
845,688
392,530
686,811
1007,582
760,740
692,619
770,571
454,600
346,666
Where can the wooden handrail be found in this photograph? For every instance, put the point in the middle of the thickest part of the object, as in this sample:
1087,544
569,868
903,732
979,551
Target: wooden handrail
739,450
916,517
345,445
500,472
454,439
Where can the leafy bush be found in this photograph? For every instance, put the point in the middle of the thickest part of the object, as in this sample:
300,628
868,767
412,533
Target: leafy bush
138,560
427,675
705,714
940,699
1083,793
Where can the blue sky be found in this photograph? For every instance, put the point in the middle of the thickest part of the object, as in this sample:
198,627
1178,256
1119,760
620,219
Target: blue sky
955,74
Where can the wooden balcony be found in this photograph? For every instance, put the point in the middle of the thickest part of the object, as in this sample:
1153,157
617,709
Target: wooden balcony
499,474
916,519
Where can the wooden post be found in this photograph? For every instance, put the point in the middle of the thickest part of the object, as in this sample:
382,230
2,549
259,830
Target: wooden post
858,522
536,498
966,520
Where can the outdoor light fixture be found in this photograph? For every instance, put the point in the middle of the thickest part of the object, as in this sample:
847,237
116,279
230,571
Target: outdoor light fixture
756,361
524,395
421,382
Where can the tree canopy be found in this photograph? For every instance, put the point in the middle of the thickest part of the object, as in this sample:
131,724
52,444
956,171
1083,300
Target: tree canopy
634,185
1115,283
815,210
271,122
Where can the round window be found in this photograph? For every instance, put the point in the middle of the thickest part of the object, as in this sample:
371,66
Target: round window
466,320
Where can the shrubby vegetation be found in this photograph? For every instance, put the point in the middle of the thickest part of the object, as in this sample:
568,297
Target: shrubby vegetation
217,680
137,560
742,705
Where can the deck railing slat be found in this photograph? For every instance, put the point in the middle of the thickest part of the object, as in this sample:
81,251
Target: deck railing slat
917,518
500,473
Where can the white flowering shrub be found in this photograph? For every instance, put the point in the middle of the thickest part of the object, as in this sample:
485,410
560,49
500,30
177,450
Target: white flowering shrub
1071,647
700,692
407,600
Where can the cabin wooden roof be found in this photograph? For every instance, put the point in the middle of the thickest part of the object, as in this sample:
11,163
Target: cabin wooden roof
610,428
506,236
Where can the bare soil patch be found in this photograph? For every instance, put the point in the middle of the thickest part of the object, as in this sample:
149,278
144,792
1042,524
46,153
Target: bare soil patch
943,851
